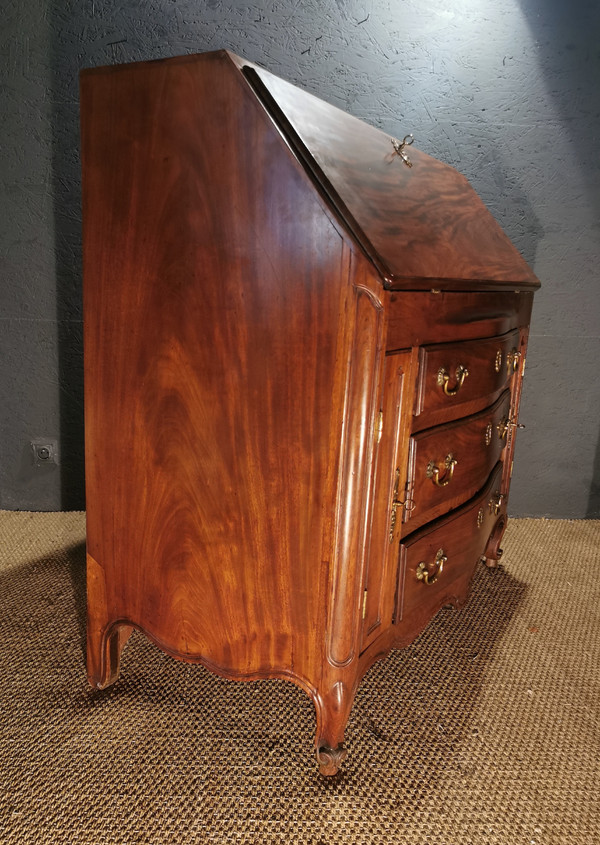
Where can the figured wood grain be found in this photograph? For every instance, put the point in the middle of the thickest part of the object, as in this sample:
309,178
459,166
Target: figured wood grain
240,346
442,316
212,297
462,541
467,441
487,376
416,224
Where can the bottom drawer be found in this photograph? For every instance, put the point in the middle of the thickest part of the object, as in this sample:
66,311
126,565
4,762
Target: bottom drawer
437,563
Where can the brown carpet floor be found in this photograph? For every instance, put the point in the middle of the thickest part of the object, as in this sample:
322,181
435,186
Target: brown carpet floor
485,730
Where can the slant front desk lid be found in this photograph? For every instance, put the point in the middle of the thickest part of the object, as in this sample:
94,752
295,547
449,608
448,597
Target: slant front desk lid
422,226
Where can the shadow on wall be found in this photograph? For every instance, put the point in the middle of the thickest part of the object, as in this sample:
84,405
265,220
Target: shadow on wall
67,250
568,36
566,40
68,57
69,53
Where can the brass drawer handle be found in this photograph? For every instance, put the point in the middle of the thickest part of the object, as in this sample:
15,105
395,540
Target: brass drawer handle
495,503
443,379
512,361
433,472
424,569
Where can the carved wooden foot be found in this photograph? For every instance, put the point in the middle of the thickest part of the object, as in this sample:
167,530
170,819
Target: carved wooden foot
333,710
330,759
493,552
104,655
492,562
106,637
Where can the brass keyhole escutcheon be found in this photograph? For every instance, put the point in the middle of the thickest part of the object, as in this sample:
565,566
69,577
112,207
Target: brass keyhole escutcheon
430,572
488,433
407,504
503,428
434,471
443,379
498,361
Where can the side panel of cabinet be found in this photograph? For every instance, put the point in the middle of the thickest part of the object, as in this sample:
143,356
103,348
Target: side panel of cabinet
390,463
214,293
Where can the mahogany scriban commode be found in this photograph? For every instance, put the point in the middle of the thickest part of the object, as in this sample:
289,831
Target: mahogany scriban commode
303,363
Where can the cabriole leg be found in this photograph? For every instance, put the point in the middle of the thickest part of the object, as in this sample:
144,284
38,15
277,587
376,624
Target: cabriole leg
333,711
105,640
493,552
104,655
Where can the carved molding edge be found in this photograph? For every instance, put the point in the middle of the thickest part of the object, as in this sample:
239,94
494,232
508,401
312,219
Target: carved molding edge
366,348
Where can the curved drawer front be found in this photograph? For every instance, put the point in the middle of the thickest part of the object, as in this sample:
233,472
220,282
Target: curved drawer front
455,374
436,565
450,463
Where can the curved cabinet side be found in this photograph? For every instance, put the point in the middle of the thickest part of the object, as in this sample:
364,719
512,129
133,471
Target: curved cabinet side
355,486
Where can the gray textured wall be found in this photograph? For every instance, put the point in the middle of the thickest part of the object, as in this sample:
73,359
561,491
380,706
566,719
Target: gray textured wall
506,91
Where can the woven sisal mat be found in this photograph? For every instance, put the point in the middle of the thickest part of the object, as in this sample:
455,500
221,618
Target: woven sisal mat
485,731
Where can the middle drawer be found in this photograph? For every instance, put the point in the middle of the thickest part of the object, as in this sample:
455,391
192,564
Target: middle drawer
450,463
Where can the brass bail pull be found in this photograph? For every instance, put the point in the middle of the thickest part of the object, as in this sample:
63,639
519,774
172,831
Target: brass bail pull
434,471
430,572
495,503
443,380
512,361
399,148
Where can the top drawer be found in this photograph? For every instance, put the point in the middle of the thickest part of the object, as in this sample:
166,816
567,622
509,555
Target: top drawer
459,378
